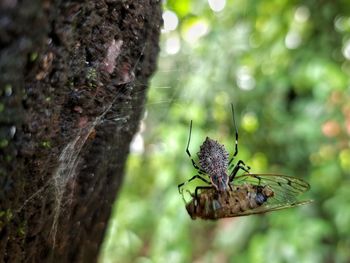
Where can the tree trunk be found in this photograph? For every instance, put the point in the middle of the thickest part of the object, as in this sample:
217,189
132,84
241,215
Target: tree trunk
73,82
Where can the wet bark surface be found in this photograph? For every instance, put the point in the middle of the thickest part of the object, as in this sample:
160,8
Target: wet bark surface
73,84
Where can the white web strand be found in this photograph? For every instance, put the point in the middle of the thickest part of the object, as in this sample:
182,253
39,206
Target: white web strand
69,159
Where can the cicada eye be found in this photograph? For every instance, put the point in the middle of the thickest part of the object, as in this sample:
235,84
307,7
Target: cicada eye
260,198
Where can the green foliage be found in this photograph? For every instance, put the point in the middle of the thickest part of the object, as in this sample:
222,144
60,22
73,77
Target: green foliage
285,67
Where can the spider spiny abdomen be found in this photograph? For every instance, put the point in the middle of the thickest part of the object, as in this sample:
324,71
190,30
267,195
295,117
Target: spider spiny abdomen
213,159
213,156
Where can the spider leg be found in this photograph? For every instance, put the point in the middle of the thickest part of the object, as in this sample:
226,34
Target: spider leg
238,163
257,177
189,154
236,133
229,185
238,167
194,177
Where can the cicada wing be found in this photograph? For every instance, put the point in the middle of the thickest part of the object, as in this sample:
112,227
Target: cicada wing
286,188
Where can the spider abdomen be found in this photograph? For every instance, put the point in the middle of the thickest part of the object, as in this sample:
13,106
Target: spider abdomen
213,159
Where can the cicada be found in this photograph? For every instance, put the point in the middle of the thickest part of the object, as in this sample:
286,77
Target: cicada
249,194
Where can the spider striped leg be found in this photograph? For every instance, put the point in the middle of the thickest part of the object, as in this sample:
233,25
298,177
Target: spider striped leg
200,171
239,166
194,177
236,133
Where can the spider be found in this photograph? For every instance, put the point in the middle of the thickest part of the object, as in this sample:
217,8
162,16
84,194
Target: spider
215,164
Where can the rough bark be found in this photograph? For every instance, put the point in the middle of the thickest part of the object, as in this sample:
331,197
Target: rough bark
73,83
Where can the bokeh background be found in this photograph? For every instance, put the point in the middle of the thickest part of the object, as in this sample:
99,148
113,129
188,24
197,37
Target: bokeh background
285,67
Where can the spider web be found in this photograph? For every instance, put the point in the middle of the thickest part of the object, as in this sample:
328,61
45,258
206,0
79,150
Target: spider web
65,173
69,157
